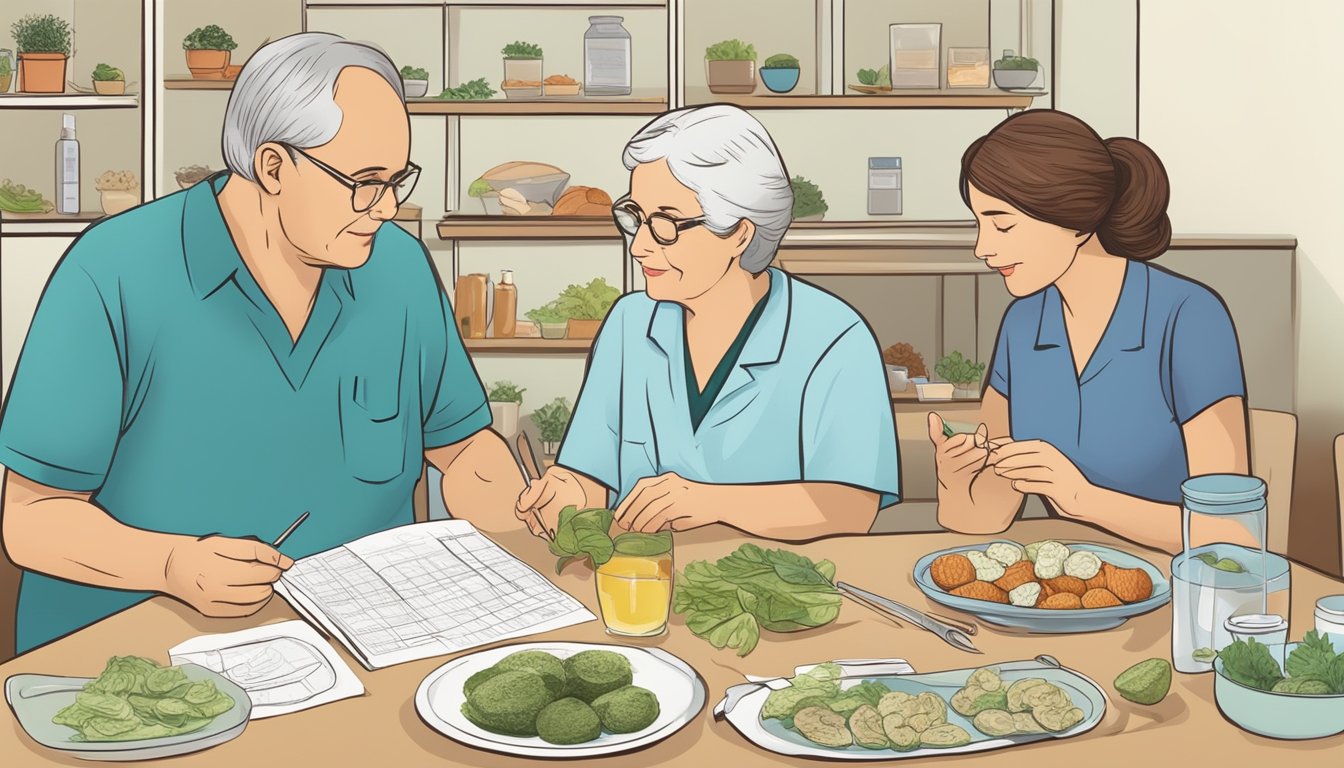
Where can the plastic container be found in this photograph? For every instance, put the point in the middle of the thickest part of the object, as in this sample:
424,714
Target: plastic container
1330,615
1267,630
606,57
67,168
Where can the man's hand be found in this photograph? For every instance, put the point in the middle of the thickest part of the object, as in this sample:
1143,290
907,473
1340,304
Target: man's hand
221,576
958,458
668,502
1035,466
556,489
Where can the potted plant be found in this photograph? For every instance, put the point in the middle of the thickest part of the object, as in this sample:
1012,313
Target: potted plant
6,71
581,307
489,198
780,73
731,67
962,372
808,202
208,51
118,190
522,70
415,82
505,398
1015,71
472,90
44,48
551,420
108,80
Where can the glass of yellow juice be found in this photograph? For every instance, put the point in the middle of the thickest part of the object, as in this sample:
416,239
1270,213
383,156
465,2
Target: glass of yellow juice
634,587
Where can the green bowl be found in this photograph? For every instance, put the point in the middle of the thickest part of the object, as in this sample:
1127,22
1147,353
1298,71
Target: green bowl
1279,715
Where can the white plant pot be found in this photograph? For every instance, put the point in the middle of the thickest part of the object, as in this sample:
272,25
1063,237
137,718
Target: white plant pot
505,419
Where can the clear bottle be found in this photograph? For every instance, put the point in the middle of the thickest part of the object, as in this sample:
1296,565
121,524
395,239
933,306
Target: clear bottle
606,57
506,306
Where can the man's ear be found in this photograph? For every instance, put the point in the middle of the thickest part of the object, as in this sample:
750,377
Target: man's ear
266,164
741,237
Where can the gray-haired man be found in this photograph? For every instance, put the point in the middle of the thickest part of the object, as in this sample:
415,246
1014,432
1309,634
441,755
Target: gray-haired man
204,368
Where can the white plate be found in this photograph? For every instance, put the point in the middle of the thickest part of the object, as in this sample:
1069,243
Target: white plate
771,735
680,691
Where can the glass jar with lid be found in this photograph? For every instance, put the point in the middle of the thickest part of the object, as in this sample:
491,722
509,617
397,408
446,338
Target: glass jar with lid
1224,569
606,57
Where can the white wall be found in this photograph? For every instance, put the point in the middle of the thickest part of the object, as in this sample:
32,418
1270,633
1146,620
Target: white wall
1239,98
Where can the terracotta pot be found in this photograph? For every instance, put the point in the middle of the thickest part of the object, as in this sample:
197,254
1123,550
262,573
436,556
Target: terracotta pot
583,329
109,87
42,72
207,64
731,76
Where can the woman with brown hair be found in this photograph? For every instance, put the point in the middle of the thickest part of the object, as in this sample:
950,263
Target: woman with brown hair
1113,380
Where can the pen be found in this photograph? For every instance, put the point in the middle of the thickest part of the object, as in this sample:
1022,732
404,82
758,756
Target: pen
290,530
525,442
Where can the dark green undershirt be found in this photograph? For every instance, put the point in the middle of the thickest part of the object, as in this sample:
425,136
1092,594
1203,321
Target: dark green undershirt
698,401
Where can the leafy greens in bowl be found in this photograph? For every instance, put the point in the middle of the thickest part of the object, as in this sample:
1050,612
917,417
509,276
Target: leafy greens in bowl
1302,699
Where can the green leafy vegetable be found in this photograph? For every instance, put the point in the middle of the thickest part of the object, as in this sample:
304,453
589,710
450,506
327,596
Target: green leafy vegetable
822,681
552,419
731,50
578,302
473,90
876,77
807,198
519,50
505,392
1017,62
582,533
780,61
959,370
42,33
16,198
4,66
135,698
1223,564
1204,655
1315,659
211,37
1250,663
106,72
414,73
729,601
479,188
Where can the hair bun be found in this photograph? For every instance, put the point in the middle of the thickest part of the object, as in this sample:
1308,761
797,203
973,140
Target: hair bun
1137,225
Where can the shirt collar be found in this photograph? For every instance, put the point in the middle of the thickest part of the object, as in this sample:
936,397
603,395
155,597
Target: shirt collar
211,256
1128,324
766,342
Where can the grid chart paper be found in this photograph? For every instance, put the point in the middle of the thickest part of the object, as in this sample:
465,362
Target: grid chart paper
424,590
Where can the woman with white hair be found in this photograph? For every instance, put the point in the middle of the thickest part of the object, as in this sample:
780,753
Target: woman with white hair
726,391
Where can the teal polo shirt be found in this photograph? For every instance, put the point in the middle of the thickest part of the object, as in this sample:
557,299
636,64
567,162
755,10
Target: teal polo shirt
159,376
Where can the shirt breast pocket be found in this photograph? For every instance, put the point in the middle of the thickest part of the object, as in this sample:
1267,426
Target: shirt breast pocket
373,428
637,458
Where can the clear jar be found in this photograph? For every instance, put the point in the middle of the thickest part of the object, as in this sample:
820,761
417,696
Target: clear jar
1330,616
606,57
1223,569
7,68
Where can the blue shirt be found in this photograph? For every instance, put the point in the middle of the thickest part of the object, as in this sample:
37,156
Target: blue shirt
158,375
1169,352
806,401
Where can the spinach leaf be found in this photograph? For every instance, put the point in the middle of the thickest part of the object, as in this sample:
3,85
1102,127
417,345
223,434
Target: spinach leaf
1315,658
1251,664
582,533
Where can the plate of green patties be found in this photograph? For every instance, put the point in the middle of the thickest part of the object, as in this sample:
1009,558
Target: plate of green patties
561,699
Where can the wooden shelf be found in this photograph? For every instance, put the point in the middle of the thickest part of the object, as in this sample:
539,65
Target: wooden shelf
528,346
528,228
67,101
913,98
189,83
37,224
569,105
911,396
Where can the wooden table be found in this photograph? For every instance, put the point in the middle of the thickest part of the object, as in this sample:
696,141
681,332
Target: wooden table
382,727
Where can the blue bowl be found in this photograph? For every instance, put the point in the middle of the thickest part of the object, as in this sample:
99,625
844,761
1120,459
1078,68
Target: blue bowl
1279,715
780,80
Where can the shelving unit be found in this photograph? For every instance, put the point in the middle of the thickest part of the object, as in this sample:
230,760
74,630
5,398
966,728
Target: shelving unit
38,224
68,101
529,346
956,98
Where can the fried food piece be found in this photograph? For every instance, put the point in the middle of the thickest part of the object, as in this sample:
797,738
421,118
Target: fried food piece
1100,598
1129,584
945,736
866,725
1061,601
1016,575
822,726
982,590
560,80
1070,584
995,722
952,571
1096,582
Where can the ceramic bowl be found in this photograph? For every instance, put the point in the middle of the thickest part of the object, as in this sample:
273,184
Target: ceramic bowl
554,330
780,80
940,390
1279,715
415,89
1014,78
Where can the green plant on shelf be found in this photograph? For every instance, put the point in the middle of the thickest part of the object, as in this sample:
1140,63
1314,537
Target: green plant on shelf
807,198
42,33
4,66
16,198
414,73
960,370
578,302
731,50
479,188
1017,62
474,90
547,315
781,61
211,37
552,419
505,392
106,72
878,78
521,50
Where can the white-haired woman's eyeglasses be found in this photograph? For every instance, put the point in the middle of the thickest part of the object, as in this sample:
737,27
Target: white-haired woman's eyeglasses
664,228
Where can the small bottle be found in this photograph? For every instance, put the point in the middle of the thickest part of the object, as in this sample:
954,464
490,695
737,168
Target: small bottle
506,306
67,168
606,57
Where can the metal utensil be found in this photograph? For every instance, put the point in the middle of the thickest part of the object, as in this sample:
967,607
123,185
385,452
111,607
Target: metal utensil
527,462
950,634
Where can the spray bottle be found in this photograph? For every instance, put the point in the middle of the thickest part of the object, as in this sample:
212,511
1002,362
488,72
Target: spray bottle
67,168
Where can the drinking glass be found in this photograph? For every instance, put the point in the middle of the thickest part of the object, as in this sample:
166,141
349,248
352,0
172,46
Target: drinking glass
634,587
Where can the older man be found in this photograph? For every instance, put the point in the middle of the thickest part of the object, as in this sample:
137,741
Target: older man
203,369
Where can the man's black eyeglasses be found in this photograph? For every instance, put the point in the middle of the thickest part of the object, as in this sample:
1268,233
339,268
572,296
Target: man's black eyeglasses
366,194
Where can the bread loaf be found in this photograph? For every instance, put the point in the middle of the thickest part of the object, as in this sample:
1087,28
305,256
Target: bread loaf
583,201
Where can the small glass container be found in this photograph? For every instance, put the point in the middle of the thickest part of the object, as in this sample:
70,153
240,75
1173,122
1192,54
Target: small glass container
1330,615
6,69
606,57
634,587
1268,630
